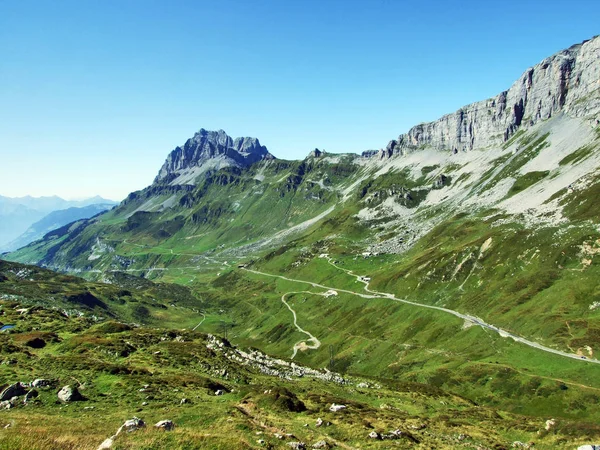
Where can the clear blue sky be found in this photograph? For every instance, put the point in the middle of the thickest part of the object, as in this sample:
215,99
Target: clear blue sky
95,94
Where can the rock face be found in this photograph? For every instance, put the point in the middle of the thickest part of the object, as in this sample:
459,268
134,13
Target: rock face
558,84
210,150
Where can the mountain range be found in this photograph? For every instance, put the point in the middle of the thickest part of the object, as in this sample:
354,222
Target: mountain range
17,214
463,255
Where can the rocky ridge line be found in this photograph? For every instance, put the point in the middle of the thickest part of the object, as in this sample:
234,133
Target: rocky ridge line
567,82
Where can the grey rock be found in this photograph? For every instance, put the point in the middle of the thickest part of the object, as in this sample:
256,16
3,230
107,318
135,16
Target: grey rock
133,424
6,404
219,392
167,425
41,383
30,395
374,435
70,394
335,408
589,447
319,422
316,153
14,390
297,445
562,83
210,150
321,444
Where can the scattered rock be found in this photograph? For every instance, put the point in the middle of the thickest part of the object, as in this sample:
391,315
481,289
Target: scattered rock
549,424
70,394
144,403
261,442
319,422
297,445
129,426
374,435
41,383
166,425
14,390
589,447
133,424
219,392
184,401
6,404
108,443
321,444
30,395
336,408
519,444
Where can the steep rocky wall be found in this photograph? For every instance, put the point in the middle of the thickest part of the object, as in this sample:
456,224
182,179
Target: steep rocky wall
568,82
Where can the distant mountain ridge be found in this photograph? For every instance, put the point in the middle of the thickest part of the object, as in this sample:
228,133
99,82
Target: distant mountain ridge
54,220
19,213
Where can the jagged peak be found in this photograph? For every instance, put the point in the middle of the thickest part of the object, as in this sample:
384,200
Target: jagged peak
208,150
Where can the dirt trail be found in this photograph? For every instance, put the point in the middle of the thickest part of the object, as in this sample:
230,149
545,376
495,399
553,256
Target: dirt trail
301,345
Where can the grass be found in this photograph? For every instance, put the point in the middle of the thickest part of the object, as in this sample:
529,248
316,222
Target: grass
169,365
525,181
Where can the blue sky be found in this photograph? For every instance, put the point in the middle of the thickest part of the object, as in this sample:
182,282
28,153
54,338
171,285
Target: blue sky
95,94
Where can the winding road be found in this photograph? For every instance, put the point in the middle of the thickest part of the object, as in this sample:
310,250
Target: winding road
301,345
375,294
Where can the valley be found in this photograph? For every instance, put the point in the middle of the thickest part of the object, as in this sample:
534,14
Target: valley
444,289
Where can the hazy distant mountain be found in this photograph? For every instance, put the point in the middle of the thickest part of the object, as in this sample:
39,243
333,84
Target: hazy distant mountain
19,213
54,220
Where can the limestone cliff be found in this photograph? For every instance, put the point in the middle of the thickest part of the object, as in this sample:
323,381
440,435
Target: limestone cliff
567,82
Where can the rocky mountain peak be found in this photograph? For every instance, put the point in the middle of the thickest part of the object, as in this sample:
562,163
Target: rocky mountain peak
566,82
210,150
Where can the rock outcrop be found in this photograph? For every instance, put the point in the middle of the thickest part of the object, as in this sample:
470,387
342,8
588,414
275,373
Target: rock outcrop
567,82
70,394
14,390
210,150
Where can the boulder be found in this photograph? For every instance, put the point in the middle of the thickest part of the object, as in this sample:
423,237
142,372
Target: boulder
41,383
14,390
30,395
374,435
336,408
589,447
70,394
133,424
166,425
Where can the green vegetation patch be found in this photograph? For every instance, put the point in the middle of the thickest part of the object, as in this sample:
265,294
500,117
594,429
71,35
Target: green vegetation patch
525,181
